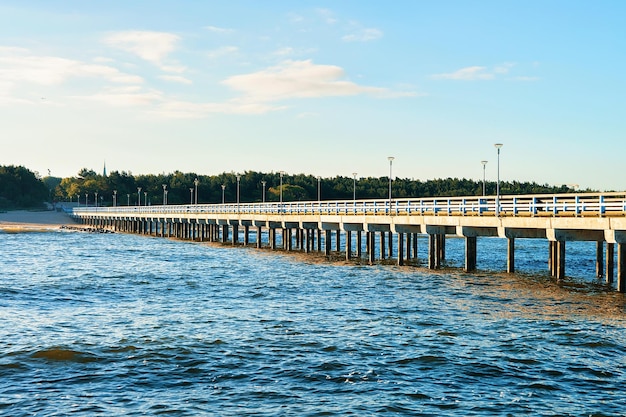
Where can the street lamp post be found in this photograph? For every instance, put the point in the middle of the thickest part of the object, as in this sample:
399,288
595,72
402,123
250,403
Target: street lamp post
114,198
263,184
223,188
498,146
196,182
281,188
238,182
86,199
164,194
139,196
191,196
319,188
145,198
128,199
354,186
96,200
484,187
390,158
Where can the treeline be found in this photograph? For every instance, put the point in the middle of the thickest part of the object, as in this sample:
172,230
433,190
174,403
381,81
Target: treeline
21,188
181,188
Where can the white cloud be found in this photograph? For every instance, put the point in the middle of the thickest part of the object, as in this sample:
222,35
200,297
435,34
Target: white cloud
224,50
176,79
21,66
476,73
363,35
125,97
300,79
216,29
153,47
327,15
467,74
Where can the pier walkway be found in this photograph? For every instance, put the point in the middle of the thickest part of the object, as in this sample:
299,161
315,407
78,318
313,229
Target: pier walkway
353,226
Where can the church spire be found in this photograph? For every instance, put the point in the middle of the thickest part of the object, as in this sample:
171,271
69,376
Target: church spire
104,171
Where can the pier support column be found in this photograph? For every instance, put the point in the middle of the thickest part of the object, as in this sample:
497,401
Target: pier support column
371,247
600,259
434,259
382,246
359,244
338,241
510,255
224,233
235,239
409,238
246,235
348,244
415,247
621,267
390,239
610,262
258,237
400,249
470,253
560,259
441,248
327,242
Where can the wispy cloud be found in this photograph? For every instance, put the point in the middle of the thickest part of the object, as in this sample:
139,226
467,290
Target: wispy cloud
153,47
477,73
125,97
215,29
19,65
468,73
176,79
363,35
301,79
222,51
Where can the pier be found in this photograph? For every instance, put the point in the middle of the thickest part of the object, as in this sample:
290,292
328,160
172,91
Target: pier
377,230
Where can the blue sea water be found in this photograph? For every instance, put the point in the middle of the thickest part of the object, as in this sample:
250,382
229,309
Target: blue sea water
129,325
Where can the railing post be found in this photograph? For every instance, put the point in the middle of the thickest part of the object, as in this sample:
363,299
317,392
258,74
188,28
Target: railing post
601,206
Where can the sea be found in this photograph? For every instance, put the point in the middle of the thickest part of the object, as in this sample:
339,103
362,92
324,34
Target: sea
127,325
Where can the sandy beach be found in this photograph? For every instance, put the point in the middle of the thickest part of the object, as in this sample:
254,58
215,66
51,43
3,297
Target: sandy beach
24,221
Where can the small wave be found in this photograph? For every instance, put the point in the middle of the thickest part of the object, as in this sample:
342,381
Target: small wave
64,355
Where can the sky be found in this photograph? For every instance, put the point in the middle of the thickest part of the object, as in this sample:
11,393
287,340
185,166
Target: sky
326,88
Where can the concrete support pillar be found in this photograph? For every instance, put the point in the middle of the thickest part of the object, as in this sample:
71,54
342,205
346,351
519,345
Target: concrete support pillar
258,237
510,258
470,253
348,245
415,247
383,251
432,252
224,233
610,262
338,241
359,244
246,235
235,234
371,247
409,238
288,239
400,248
560,259
272,236
621,267
552,258
600,259
441,248
327,240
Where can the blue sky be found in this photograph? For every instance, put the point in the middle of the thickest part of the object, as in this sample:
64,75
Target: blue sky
317,87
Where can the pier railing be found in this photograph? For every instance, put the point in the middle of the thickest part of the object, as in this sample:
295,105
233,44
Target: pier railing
549,205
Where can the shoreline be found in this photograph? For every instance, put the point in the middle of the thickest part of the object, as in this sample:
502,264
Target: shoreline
34,221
